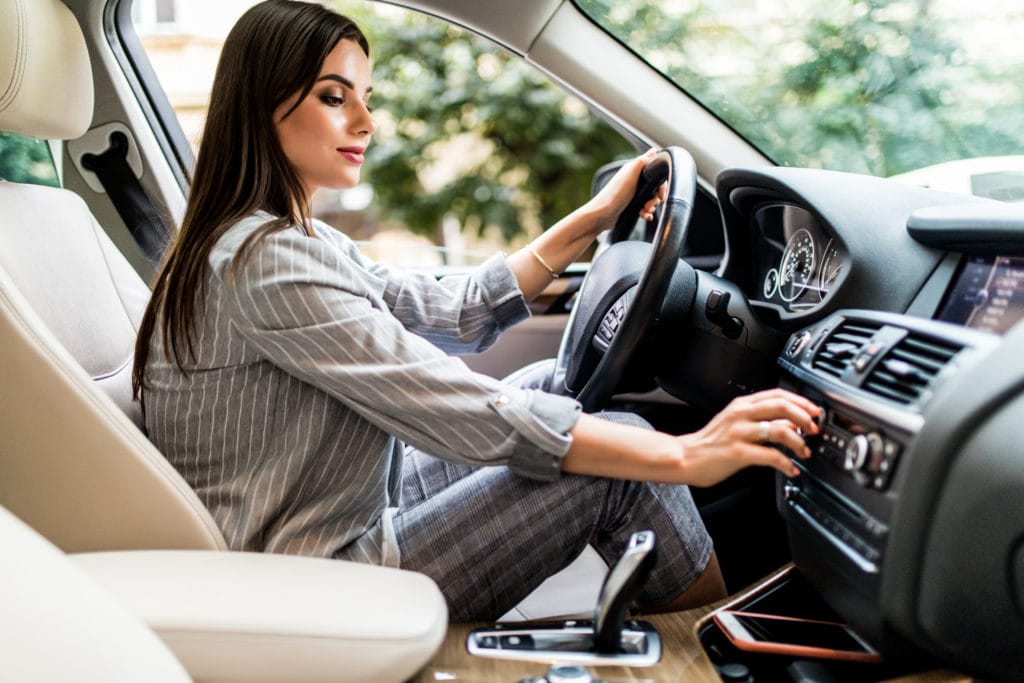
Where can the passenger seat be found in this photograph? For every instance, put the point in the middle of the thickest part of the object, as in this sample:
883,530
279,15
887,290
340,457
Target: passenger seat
58,626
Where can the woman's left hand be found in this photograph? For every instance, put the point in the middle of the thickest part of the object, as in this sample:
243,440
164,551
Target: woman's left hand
618,192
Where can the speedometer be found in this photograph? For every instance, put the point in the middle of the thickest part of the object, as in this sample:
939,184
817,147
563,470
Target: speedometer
796,270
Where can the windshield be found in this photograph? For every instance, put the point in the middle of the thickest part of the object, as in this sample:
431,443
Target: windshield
884,87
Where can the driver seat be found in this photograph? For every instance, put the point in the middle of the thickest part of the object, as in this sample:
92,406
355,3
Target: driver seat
74,462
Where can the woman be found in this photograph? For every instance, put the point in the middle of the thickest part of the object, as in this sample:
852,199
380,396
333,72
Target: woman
282,372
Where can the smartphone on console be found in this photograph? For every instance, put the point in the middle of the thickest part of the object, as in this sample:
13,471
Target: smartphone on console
774,634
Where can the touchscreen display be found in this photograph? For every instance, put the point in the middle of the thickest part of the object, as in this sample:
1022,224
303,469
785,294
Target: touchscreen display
988,294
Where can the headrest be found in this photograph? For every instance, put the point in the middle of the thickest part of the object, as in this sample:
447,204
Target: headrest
45,77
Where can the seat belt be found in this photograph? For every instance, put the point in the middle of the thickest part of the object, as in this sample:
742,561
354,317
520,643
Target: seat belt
129,198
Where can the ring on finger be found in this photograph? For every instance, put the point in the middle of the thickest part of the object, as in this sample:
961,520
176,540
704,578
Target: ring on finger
764,431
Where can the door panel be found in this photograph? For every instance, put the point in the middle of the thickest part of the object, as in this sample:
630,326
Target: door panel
536,338
531,340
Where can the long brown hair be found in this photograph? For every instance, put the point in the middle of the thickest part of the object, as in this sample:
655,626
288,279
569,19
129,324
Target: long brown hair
276,49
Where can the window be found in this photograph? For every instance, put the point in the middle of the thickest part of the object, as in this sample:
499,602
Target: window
26,160
930,92
155,15
475,150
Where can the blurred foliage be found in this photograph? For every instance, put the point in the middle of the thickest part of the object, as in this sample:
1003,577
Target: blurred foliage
26,160
879,86
884,92
470,131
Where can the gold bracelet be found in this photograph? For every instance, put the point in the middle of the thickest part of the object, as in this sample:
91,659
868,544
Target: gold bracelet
544,263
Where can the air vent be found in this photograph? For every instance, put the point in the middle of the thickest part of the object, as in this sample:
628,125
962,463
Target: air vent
906,371
836,354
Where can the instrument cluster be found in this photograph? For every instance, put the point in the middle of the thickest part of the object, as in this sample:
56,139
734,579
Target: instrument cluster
798,262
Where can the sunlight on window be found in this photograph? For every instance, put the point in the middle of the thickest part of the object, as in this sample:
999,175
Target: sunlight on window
882,87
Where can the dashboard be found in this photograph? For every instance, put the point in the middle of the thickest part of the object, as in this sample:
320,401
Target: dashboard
899,311
902,311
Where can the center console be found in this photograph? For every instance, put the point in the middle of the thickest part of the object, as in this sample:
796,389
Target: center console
907,520
872,374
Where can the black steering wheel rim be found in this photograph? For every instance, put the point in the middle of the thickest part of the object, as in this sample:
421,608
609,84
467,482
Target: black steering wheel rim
673,166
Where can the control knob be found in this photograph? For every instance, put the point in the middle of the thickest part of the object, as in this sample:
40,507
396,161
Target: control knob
862,449
821,420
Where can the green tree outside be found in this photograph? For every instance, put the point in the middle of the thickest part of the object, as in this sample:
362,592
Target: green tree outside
876,86
886,91
26,160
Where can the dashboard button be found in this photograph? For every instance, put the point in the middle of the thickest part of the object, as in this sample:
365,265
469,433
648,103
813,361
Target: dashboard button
856,453
822,419
798,343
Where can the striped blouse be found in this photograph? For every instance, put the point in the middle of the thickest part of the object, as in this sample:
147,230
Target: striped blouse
313,366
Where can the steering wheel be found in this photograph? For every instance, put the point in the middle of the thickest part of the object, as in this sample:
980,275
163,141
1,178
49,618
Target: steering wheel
626,285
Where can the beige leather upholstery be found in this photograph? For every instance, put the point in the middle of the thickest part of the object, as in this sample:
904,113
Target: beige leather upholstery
45,87
59,626
72,465
257,618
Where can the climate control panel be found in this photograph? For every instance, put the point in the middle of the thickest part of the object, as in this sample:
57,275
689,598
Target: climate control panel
865,452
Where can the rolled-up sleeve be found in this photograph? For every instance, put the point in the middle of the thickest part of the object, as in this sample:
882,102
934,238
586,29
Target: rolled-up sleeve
544,425
310,309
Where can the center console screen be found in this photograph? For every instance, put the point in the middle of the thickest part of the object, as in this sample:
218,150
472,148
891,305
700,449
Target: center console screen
988,294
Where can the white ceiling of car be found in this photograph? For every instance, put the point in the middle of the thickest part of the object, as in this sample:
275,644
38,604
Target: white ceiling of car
515,23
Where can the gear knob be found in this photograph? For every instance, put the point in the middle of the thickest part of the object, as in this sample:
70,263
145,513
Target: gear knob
621,585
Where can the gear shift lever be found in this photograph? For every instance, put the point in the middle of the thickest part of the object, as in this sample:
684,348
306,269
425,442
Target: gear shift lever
620,586
609,641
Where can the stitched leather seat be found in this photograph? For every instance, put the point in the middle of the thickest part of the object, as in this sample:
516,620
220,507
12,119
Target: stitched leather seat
72,463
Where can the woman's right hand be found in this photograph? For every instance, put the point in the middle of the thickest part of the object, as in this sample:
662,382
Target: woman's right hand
742,433
618,192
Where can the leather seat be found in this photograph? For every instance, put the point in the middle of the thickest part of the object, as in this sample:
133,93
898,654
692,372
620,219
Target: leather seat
59,626
73,463
238,617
